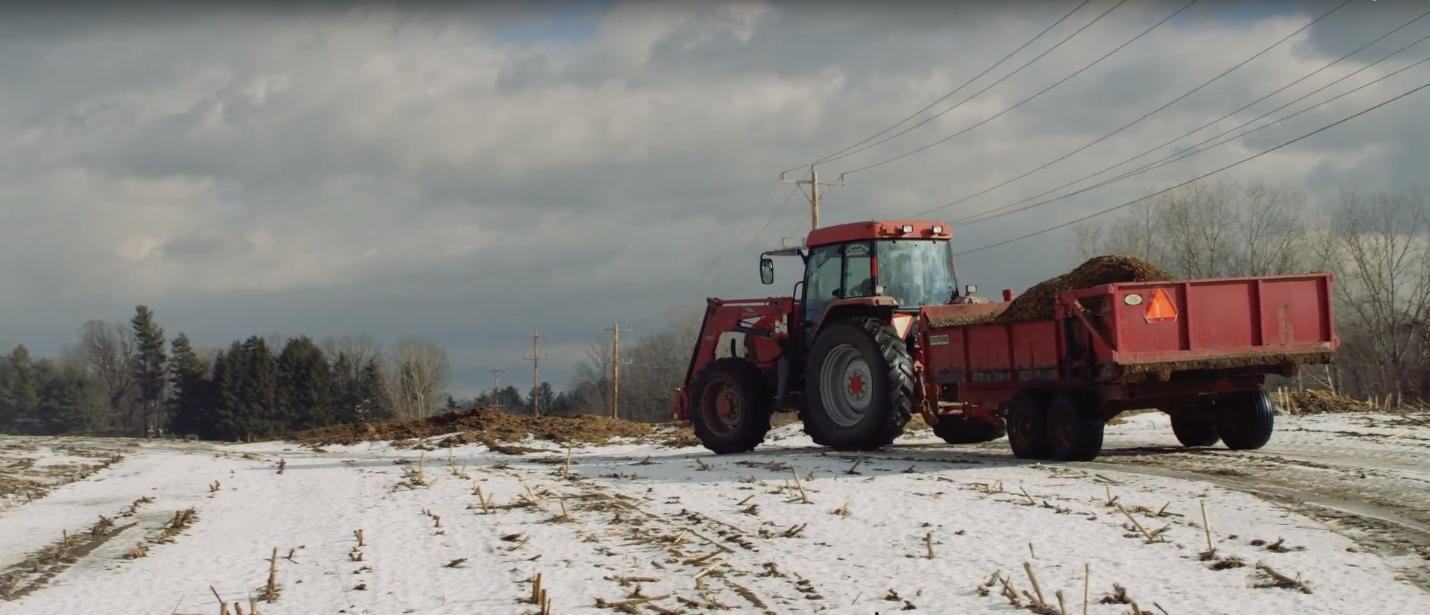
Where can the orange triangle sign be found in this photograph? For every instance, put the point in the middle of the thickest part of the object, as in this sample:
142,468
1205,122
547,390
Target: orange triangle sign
1160,308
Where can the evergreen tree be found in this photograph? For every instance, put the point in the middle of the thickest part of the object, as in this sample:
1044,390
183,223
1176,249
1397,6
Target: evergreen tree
22,393
251,395
149,366
346,398
509,400
191,404
546,396
223,419
71,401
306,385
375,404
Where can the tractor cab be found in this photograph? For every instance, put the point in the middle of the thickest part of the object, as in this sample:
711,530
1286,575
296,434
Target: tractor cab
870,266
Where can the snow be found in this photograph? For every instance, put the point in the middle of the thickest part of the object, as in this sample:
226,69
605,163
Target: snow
626,504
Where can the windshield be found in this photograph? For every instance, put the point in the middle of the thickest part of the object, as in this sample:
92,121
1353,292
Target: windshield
917,272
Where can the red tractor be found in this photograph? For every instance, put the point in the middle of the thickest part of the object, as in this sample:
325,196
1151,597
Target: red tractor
878,330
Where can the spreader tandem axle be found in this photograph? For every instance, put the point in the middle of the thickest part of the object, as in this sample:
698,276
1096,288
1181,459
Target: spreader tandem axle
878,329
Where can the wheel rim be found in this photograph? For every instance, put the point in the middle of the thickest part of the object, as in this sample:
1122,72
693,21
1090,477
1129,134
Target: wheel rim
722,407
846,385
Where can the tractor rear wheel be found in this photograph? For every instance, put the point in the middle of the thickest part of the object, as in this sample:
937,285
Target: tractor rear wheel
1195,428
1245,420
860,386
1075,427
731,408
955,429
1028,425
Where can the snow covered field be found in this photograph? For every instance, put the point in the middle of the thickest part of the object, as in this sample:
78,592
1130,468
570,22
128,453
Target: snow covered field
1335,508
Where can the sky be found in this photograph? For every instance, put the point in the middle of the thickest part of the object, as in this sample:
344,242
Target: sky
469,175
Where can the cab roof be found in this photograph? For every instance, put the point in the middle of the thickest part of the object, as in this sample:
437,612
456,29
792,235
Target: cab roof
878,229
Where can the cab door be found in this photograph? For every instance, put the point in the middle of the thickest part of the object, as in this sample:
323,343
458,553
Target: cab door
834,272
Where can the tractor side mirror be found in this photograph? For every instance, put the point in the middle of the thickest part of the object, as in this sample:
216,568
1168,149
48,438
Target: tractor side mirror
767,270
969,290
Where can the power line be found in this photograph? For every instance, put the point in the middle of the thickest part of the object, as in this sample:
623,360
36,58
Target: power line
1201,177
1179,99
1196,148
959,88
705,271
754,213
991,86
764,228
1040,92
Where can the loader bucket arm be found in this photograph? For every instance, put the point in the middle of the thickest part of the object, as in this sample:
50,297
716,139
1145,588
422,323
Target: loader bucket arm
724,316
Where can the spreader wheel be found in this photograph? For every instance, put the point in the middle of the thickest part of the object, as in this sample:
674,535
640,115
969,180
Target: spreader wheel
1195,428
955,429
1245,420
1074,427
860,385
731,409
1028,425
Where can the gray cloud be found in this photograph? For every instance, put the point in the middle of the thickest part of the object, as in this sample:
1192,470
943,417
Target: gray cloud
471,175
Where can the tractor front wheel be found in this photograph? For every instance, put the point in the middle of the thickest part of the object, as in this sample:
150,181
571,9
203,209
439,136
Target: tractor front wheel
955,429
860,385
731,409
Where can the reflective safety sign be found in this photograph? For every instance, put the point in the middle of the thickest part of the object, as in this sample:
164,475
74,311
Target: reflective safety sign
1160,307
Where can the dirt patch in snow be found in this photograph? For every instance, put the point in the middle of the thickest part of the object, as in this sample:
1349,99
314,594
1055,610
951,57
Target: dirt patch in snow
1314,401
490,427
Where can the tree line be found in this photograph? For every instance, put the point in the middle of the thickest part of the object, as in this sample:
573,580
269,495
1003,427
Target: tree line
128,379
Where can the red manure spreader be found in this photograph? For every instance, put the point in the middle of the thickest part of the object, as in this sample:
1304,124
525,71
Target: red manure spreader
878,330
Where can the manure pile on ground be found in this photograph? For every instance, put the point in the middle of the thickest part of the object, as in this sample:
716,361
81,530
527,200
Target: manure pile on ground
1315,401
487,426
1040,301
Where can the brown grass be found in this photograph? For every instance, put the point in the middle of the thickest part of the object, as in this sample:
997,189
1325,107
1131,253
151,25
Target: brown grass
486,426
1312,401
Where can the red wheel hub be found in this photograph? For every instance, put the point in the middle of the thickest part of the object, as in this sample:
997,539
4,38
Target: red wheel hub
856,384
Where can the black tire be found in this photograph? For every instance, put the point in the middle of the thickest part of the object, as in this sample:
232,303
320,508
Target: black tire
887,401
956,429
1195,428
1074,427
1245,420
744,384
1027,425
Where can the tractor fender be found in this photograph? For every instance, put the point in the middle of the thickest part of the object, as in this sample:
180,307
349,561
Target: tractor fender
878,307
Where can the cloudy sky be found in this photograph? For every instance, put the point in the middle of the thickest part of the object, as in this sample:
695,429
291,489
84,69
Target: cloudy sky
471,175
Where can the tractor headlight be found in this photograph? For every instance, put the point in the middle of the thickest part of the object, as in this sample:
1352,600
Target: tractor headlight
938,229
907,228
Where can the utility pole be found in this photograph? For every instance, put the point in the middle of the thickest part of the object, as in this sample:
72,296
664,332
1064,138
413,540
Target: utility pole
496,386
536,359
814,184
616,367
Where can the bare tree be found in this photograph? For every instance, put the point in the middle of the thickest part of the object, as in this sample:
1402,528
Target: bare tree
1087,239
419,372
359,349
109,351
1226,228
1378,245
